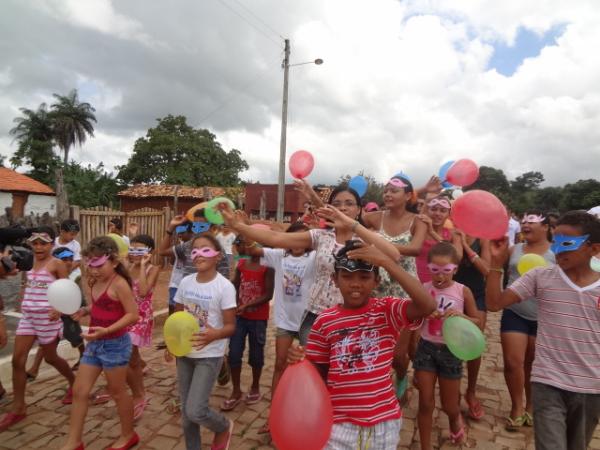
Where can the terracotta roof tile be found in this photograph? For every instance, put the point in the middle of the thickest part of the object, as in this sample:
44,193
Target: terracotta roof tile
168,190
11,181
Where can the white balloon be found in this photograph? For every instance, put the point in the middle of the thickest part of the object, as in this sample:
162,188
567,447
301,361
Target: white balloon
595,264
457,193
65,296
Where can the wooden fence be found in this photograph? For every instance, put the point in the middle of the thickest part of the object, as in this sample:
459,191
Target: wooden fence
95,222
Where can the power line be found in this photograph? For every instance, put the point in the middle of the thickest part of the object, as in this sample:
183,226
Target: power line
250,23
259,19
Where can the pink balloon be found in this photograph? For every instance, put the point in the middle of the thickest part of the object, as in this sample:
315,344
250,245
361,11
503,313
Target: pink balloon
301,164
480,214
463,172
301,414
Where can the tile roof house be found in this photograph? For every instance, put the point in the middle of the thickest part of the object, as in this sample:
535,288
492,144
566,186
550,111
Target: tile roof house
158,196
24,195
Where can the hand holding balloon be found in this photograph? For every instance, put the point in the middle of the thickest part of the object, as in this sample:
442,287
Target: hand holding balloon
94,333
54,315
301,164
499,252
295,354
64,295
205,337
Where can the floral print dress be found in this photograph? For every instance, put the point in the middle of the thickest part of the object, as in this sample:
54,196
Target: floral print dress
141,331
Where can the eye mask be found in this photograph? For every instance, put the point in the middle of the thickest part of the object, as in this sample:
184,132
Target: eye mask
439,202
138,251
435,268
205,252
200,227
533,218
97,261
563,243
397,182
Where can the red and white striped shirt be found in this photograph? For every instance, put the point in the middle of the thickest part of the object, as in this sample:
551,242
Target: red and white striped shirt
358,346
35,298
567,348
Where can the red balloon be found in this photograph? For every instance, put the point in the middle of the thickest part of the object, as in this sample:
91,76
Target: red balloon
480,214
301,413
301,164
463,172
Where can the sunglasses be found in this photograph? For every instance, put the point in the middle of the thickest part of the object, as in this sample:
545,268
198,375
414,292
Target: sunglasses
446,269
205,252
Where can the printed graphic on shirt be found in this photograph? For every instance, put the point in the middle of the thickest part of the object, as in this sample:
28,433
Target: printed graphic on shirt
357,351
293,274
444,303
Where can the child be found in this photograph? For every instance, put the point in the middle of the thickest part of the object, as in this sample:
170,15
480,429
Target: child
69,229
144,275
210,297
254,284
113,309
184,234
433,360
294,276
71,328
564,378
352,346
40,322
226,238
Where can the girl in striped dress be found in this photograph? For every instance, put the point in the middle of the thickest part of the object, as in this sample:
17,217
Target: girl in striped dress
40,322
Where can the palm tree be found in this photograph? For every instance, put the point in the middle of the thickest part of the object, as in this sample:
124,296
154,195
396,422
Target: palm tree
71,125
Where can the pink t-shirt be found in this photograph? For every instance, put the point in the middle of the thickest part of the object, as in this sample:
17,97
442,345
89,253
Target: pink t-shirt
567,347
452,297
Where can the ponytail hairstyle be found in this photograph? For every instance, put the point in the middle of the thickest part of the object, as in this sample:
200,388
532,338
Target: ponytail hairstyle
411,203
103,245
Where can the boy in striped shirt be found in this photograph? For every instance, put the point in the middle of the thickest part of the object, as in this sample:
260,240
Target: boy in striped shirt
352,346
565,377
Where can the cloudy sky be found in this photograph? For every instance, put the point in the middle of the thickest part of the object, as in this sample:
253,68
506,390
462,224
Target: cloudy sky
405,85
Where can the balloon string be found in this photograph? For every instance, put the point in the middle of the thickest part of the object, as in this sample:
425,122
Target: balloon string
360,439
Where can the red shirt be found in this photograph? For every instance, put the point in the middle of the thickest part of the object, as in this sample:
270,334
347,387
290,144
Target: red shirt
252,286
358,345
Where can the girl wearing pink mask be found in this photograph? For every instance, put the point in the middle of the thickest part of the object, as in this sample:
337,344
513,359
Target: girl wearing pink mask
433,361
113,309
435,214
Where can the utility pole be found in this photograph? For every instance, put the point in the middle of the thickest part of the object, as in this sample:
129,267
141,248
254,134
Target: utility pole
282,145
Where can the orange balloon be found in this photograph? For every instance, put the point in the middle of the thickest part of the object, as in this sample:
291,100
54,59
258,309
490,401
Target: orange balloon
189,215
301,413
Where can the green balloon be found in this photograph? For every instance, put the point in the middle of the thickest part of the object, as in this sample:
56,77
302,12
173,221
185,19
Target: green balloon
212,214
463,338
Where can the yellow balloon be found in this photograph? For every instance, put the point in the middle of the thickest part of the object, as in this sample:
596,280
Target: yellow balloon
178,331
530,261
121,244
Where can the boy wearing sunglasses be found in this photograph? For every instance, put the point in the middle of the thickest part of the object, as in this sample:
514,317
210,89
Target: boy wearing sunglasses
565,376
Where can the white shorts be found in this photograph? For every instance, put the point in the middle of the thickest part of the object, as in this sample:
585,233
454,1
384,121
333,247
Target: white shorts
39,324
349,436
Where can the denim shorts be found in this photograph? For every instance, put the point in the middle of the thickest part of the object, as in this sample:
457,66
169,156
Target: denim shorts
256,330
437,358
511,322
108,353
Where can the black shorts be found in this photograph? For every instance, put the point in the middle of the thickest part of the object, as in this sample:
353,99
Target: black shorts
71,331
511,322
437,358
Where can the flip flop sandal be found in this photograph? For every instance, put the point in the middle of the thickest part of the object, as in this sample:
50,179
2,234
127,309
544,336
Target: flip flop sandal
252,399
230,404
174,407
100,398
224,446
459,437
514,424
139,408
476,411
528,419
10,419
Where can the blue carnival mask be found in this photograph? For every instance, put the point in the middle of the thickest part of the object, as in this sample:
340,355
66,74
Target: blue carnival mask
200,227
181,229
564,243
65,254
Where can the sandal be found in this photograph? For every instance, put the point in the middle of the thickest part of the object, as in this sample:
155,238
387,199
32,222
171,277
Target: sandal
460,436
476,411
30,376
527,419
224,446
231,403
101,397
139,408
173,407
254,398
514,424
10,419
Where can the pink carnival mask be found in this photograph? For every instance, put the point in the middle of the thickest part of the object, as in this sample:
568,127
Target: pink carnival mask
435,268
397,182
97,261
205,252
533,218
444,203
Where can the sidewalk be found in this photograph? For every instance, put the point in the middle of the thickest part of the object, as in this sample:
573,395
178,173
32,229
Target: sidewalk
46,425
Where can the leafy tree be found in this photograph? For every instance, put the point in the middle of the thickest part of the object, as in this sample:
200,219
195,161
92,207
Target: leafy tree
583,194
548,198
2,158
173,152
71,125
492,180
33,132
90,186
527,182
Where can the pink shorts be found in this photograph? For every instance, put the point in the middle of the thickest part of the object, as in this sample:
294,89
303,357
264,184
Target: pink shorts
39,324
